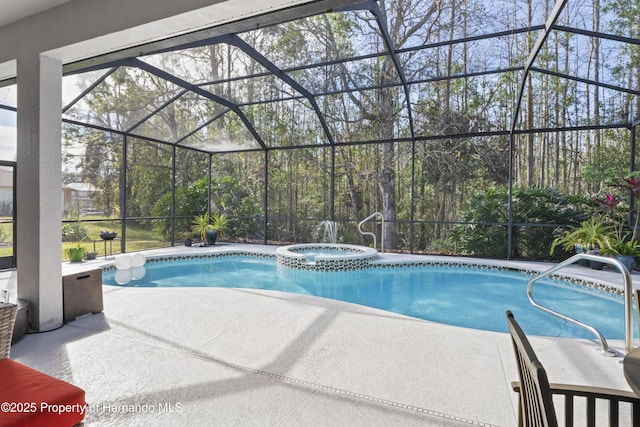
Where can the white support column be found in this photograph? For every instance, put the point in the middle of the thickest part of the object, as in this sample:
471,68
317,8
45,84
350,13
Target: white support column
39,189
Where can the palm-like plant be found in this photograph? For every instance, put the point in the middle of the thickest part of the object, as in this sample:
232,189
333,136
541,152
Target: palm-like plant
200,225
220,223
203,223
625,247
591,234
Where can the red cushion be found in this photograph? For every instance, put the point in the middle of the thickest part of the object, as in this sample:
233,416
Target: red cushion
32,398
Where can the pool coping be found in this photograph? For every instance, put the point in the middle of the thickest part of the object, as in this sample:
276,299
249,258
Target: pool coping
606,280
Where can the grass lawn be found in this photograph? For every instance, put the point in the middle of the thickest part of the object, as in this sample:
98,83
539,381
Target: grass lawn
138,238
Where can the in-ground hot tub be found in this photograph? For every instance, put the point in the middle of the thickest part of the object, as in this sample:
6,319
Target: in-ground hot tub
325,256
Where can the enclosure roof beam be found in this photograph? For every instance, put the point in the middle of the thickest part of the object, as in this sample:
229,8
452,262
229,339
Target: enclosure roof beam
587,81
551,20
376,54
373,86
368,87
373,7
199,91
430,138
294,11
597,34
129,134
444,43
423,139
234,40
71,71
93,65
204,125
157,110
89,89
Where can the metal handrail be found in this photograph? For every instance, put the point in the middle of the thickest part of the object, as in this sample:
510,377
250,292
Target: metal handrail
628,291
368,233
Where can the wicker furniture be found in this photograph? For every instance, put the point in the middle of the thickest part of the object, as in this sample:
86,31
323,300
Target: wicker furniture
22,320
29,397
7,320
536,404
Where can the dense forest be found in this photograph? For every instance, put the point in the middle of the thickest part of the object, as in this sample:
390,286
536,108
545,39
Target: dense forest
419,110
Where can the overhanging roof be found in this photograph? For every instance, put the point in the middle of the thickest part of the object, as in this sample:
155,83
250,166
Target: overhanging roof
233,87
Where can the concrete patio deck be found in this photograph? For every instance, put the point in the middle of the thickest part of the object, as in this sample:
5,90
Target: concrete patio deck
238,357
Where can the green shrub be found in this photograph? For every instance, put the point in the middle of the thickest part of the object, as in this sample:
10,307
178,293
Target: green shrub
545,208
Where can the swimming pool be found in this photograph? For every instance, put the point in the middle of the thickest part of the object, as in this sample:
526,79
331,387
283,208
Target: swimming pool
455,295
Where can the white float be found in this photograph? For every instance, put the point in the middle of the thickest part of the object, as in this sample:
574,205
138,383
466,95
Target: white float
123,262
138,260
138,273
122,277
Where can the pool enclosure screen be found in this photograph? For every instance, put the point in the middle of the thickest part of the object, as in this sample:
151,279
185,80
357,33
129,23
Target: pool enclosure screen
440,116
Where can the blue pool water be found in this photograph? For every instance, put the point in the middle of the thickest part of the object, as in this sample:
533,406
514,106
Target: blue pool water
472,298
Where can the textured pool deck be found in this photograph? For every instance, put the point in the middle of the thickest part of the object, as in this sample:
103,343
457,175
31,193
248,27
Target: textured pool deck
238,357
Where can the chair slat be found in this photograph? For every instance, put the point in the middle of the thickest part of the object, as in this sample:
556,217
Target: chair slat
591,411
536,393
614,413
568,410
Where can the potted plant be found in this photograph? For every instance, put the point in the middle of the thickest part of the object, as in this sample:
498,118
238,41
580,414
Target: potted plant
219,224
622,244
76,253
625,251
200,225
591,236
209,227
187,235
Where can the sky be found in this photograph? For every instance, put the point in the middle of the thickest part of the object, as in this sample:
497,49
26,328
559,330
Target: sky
7,118
7,142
